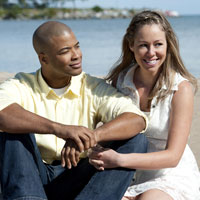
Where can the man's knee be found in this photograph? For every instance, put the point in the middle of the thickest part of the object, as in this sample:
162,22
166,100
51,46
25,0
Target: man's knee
140,139
136,144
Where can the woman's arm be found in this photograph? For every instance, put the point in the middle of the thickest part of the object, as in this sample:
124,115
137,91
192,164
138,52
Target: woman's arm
179,128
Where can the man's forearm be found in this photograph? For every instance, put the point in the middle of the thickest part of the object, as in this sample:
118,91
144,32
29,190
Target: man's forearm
15,119
123,127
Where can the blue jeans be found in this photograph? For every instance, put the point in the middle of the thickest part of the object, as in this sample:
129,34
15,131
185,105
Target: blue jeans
24,175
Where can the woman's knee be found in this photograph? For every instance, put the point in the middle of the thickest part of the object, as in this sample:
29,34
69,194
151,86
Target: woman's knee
155,194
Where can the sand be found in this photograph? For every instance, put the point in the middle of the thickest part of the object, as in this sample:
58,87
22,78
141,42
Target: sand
194,140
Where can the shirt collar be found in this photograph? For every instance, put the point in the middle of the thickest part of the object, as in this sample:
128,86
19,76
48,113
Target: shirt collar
128,78
42,83
125,79
74,87
76,83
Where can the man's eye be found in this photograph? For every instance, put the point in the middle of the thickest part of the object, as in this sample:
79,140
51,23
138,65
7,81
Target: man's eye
63,52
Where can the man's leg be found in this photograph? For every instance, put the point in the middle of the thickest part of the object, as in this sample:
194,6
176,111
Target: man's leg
25,176
112,183
21,168
68,184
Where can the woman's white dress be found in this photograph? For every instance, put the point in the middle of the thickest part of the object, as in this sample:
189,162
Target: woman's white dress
181,182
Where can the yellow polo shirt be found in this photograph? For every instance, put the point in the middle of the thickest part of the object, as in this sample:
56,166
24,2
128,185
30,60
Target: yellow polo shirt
87,101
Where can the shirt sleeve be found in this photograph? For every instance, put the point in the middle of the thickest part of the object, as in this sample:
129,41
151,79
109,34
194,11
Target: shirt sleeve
9,93
112,103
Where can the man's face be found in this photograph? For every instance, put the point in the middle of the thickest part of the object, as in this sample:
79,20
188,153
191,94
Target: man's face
63,57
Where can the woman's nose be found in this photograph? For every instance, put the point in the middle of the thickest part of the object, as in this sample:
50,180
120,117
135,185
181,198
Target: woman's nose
151,51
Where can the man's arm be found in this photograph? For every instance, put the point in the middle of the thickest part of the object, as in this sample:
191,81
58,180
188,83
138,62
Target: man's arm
15,119
122,127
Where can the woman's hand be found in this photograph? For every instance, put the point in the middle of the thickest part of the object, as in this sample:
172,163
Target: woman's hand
102,158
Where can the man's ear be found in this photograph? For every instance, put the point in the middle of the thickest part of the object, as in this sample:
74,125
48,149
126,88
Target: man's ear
43,58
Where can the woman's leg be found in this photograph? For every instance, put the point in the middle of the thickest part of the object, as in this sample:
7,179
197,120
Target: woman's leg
154,194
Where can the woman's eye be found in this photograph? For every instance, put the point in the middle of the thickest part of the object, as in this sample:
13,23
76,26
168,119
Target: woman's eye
158,44
142,45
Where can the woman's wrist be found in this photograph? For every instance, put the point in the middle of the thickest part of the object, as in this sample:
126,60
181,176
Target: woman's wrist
120,160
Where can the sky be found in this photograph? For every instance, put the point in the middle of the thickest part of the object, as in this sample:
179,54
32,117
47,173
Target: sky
183,7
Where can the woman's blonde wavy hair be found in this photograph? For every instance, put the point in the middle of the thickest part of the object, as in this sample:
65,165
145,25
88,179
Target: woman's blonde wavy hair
172,64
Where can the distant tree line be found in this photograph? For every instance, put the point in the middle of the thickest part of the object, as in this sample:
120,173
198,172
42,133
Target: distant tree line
35,3
55,9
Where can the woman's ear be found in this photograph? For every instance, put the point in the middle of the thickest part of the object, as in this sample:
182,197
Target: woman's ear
131,47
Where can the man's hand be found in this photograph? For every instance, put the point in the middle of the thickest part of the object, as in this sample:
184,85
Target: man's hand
82,136
70,154
78,139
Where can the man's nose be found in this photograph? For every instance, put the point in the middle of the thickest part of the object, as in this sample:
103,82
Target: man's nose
75,53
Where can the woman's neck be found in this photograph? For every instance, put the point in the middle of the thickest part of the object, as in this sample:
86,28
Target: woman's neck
144,79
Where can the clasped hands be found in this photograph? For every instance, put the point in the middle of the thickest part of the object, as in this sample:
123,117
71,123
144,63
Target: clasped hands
79,139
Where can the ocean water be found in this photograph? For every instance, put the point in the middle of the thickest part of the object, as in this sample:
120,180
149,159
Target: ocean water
100,41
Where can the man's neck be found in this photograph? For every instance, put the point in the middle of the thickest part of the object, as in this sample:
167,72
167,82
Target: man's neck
57,83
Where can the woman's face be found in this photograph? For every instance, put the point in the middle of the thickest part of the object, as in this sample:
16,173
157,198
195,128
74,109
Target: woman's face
150,48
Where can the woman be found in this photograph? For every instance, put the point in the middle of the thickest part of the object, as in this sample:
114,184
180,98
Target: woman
152,73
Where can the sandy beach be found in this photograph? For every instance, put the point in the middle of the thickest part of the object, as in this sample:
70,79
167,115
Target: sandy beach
194,140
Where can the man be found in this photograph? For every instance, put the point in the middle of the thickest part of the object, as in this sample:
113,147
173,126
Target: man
63,106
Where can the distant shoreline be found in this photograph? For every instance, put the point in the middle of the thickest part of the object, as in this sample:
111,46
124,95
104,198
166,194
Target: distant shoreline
96,12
